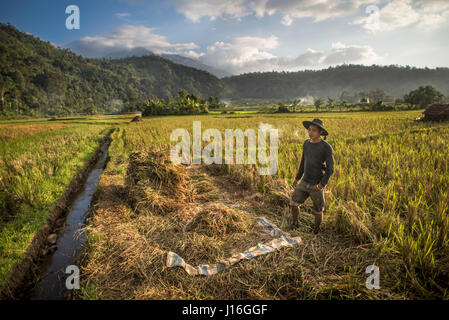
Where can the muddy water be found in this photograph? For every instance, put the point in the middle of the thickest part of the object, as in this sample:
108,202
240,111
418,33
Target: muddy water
52,285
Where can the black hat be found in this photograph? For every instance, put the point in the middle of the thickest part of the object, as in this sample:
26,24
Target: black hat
316,122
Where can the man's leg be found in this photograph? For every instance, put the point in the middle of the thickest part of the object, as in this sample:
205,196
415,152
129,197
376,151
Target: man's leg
295,214
298,197
318,208
318,219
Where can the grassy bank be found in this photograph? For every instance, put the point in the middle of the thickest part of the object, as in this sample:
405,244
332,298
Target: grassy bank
37,162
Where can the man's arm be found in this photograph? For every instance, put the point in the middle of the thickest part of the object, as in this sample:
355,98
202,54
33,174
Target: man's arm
301,168
329,167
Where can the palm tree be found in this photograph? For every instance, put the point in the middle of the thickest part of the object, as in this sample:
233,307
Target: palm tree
296,103
318,102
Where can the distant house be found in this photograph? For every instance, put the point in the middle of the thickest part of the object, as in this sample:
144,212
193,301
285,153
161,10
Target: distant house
436,112
365,100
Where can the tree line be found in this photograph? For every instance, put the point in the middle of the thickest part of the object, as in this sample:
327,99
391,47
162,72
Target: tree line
419,98
351,81
181,103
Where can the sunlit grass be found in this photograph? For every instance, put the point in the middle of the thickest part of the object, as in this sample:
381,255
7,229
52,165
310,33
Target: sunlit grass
34,172
389,189
390,185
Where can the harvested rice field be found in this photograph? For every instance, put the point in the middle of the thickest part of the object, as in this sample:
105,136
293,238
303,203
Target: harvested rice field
386,205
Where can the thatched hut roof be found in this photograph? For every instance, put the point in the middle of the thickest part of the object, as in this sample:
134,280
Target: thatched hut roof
137,118
437,112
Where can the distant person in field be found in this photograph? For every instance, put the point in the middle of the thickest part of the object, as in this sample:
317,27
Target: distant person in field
316,167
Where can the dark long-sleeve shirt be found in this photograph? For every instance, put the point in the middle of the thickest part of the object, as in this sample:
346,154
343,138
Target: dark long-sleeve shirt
314,155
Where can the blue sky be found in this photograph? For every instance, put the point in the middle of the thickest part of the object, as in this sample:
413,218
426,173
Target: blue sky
249,35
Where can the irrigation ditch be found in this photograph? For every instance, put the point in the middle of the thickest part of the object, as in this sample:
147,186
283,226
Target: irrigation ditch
40,274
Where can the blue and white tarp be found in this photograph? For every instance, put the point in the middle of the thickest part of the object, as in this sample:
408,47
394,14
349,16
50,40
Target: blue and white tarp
174,260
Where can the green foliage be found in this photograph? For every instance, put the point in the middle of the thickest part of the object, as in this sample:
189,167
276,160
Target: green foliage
215,103
36,79
318,103
423,97
331,82
182,103
35,170
281,108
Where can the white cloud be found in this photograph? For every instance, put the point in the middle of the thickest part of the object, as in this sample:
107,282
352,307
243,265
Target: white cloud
318,10
192,54
194,10
405,13
342,53
250,54
122,14
239,52
289,9
432,5
394,13
286,20
128,37
239,55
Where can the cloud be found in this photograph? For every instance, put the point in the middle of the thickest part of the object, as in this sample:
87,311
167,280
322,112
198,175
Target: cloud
308,59
289,9
194,10
432,5
405,13
125,38
394,14
239,55
318,10
342,53
122,14
241,52
251,54
192,54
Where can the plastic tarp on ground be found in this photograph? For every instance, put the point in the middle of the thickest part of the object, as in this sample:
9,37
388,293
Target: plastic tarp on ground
174,260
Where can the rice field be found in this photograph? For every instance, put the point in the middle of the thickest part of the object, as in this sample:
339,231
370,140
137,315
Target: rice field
37,162
386,204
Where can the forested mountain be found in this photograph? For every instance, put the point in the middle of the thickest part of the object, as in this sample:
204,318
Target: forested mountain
333,81
37,78
176,58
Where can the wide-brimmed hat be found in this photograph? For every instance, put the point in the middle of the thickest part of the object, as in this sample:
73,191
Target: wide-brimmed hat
318,123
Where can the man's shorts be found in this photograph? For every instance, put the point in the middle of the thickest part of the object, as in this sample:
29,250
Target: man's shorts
305,189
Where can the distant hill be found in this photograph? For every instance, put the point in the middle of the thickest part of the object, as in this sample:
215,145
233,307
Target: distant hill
331,82
196,64
36,78
137,52
140,52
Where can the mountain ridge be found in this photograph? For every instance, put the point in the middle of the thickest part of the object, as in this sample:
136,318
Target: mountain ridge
38,78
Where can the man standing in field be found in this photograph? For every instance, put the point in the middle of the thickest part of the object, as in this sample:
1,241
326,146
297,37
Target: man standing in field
316,152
